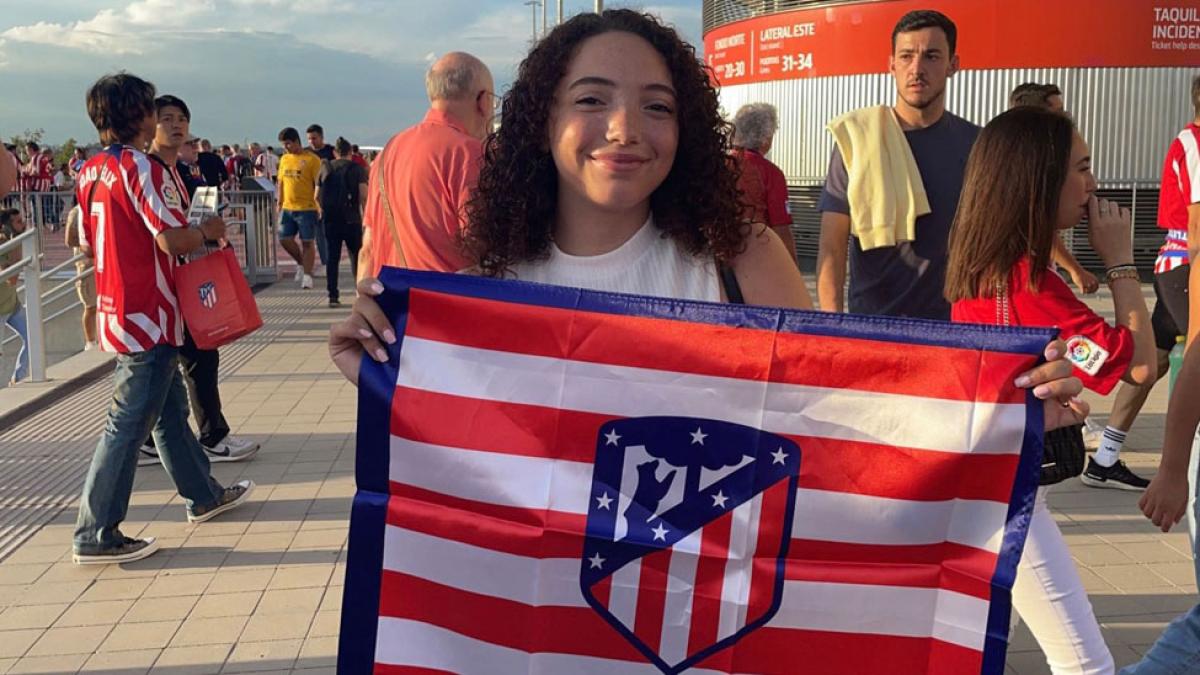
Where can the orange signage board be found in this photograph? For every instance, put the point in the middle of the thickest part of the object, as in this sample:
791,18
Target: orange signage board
855,39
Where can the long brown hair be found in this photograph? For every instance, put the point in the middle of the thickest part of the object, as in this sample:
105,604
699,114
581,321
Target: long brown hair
1009,204
511,214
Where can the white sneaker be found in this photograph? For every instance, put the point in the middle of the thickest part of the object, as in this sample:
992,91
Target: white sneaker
306,281
90,346
231,449
1093,433
299,273
319,273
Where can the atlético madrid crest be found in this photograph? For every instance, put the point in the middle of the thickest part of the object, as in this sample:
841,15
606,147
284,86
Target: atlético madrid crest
688,528
208,294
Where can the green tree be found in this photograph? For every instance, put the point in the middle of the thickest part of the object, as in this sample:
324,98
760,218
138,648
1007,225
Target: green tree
64,153
34,135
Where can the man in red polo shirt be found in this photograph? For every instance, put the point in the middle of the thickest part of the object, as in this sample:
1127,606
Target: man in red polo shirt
763,185
134,224
428,172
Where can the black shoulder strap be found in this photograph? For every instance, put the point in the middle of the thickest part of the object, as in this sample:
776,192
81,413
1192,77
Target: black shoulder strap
733,290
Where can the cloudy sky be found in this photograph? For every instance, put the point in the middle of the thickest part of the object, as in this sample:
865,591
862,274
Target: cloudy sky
249,67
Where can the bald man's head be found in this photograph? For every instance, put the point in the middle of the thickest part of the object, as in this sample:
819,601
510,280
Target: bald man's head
457,76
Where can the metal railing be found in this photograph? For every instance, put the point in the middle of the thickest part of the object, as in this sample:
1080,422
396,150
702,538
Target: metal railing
250,218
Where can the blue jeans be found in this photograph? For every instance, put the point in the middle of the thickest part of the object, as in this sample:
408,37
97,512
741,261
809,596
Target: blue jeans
147,392
303,223
1177,651
20,326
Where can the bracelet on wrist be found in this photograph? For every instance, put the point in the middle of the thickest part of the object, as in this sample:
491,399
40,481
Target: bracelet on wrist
1121,272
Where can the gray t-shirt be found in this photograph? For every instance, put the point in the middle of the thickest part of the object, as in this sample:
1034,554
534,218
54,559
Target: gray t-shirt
908,279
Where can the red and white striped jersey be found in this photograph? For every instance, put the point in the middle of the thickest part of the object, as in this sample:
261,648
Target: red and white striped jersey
1180,189
128,200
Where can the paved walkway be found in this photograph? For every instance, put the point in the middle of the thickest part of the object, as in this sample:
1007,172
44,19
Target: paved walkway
260,589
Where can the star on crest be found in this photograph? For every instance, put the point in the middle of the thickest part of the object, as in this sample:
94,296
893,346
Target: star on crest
611,437
603,501
698,436
660,533
719,499
779,456
596,561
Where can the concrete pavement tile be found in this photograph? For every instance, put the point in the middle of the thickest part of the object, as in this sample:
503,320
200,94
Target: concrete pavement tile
226,604
235,579
321,651
133,662
275,541
1092,583
17,642
266,627
204,660
116,589
258,656
217,630
146,567
323,538
195,562
1182,574
1130,630
5,664
179,584
1154,552
105,612
332,600
301,576
1028,663
322,670
56,663
69,571
326,624
1094,555
72,640
1130,577
149,635
203,540
300,600
309,557
50,592
30,616
39,554
1139,604
22,574
161,609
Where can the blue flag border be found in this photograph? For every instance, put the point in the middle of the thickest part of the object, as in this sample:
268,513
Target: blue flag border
360,604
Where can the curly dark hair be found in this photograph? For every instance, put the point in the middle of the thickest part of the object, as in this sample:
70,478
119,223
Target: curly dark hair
511,214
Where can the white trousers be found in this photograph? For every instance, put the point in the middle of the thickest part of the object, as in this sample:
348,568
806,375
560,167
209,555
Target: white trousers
1048,595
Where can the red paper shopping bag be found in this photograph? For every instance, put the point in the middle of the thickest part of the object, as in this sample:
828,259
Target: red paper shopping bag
215,299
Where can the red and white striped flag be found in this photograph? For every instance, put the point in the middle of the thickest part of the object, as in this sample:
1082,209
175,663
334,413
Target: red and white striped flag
562,481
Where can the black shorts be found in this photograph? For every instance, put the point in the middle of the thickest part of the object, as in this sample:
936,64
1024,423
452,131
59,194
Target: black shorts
1170,316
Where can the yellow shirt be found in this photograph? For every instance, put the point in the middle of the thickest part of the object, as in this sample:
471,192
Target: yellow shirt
298,180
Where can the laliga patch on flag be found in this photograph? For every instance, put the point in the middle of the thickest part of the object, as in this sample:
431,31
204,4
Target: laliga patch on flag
208,294
691,517
1085,354
556,480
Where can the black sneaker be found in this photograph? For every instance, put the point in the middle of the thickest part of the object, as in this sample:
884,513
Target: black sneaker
233,496
334,302
148,455
128,551
1118,476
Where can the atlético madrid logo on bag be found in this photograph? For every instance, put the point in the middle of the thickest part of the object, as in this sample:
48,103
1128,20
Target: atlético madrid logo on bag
688,527
208,294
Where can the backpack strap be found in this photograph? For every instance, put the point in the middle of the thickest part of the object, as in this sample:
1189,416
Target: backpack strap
387,205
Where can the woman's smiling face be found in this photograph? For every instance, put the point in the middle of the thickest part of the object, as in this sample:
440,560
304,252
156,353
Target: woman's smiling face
613,128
